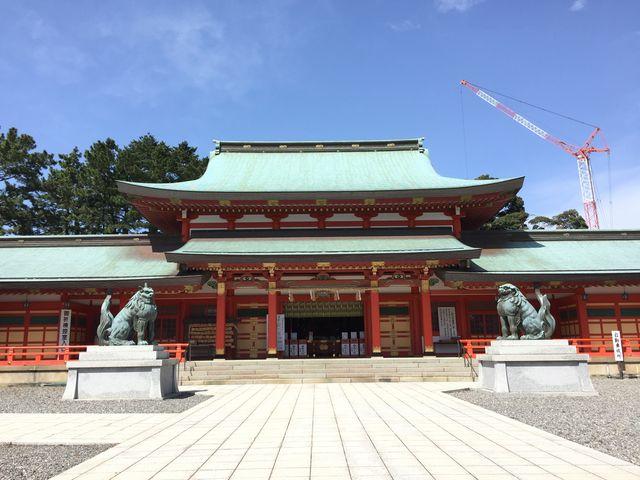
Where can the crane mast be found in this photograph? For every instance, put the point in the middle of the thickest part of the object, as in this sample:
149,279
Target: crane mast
581,154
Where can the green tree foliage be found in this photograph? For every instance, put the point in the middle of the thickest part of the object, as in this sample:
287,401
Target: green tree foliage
148,160
567,220
77,193
512,216
61,195
22,169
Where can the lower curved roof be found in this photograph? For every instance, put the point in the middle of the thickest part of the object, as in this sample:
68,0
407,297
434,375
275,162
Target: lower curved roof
98,261
551,255
315,248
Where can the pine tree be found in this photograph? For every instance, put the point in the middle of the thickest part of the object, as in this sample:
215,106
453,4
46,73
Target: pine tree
62,195
567,220
78,194
22,170
512,216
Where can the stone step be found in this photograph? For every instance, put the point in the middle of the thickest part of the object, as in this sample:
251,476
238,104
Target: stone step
310,366
369,379
325,370
212,375
334,361
213,371
328,371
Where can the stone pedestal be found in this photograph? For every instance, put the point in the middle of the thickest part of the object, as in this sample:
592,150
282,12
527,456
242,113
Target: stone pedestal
534,366
122,372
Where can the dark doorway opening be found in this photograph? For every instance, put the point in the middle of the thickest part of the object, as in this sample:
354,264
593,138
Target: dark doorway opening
324,330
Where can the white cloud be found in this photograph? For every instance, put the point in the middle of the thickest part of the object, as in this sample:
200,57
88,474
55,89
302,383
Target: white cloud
404,26
49,51
578,5
182,49
456,5
142,55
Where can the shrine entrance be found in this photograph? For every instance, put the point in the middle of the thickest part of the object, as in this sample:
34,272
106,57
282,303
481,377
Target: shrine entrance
324,329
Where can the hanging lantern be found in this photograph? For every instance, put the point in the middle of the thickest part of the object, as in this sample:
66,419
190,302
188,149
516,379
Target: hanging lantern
358,295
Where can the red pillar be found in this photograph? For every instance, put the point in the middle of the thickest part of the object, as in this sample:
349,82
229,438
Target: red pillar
581,306
185,228
464,330
27,323
367,322
414,319
272,325
374,312
425,315
182,318
221,317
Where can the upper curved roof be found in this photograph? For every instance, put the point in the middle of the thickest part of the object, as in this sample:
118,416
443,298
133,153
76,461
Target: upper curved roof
344,169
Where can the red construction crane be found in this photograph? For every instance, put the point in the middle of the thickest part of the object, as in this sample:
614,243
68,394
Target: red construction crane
580,153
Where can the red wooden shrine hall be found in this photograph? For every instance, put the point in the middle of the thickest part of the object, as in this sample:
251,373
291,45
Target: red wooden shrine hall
319,249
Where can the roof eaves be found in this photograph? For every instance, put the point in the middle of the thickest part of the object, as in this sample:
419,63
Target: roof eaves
169,190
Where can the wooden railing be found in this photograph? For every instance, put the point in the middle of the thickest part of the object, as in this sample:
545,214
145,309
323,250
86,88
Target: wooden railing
595,347
472,346
603,347
60,354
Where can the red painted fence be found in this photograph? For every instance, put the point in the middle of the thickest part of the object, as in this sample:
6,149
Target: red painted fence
595,347
60,354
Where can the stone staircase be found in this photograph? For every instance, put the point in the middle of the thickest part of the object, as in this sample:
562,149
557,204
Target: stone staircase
425,369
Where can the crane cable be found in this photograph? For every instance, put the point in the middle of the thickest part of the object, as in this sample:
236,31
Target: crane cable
610,194
464,134
573,120
538,107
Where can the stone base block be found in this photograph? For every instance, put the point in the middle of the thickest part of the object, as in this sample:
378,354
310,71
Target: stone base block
122,372
534,366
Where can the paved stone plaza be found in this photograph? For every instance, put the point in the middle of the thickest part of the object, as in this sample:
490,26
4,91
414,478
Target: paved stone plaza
333,431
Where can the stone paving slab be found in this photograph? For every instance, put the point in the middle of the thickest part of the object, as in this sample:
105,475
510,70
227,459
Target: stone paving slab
345,431
75,429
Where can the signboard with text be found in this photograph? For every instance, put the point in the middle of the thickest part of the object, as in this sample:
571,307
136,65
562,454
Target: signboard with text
618,352
280,329
202,334
447,323
64,330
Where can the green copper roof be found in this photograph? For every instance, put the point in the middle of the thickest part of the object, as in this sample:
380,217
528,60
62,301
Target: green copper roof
321,248
344,168
545,255
85,260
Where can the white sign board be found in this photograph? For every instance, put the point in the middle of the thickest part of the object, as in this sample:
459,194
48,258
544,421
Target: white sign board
618,353
293,349
345,348
280,327
64,329
302,349
354,349
447,323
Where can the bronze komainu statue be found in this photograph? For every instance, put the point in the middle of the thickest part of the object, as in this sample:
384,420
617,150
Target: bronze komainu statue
138,315
517,314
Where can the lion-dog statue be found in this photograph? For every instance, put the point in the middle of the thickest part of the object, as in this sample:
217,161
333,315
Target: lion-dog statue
138,315
517,314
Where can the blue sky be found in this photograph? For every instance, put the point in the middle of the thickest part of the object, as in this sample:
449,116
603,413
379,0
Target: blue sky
75,72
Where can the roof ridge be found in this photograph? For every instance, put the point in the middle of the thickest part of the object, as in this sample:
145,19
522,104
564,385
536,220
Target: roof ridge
318,146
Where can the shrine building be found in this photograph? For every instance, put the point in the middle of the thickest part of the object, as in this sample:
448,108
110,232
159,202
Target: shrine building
319,249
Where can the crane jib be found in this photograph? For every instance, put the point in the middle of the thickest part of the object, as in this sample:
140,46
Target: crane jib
518,118
587,187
